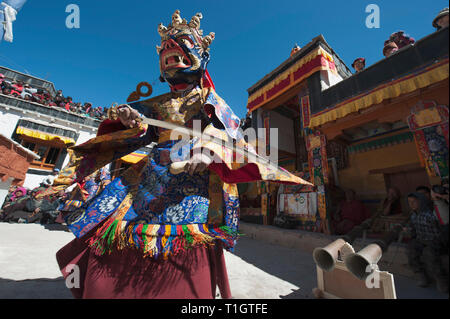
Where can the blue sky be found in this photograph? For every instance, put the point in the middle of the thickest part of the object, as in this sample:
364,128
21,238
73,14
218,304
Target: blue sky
114,48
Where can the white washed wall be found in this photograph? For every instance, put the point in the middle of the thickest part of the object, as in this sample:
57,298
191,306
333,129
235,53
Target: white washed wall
4,187
9,116
8,122
33,180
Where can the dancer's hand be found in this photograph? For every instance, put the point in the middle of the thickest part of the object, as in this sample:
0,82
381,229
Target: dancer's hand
128,116
198,163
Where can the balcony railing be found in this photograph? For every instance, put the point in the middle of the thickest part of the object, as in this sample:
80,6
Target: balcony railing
54,112
48,129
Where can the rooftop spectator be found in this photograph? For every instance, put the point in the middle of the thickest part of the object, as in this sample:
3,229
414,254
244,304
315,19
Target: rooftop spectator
401,39
359,64
295,49
38,95
389,48
87,107
18,86
442,20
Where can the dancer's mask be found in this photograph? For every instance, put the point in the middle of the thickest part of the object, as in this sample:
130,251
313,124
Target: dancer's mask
184,51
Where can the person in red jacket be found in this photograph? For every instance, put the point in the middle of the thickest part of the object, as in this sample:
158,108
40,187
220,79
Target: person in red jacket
350,213
18,86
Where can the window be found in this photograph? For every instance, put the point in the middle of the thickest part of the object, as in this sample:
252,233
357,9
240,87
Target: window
48,151
29,145
52,155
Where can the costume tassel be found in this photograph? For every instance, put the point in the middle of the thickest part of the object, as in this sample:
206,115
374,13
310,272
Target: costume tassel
98,241
155,239
123,235
168,236
152,234
187,234
179,239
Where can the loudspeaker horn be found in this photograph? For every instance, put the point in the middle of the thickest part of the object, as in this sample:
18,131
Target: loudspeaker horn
326,257
357,263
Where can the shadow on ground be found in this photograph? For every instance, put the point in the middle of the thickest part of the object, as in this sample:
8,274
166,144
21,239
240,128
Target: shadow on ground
295,267
56,227
42,288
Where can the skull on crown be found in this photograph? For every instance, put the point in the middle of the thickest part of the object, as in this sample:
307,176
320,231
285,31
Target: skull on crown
184,52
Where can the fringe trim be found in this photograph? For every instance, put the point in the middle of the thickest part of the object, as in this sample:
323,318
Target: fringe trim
155,240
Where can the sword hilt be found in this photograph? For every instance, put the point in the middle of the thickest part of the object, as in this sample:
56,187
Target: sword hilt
177,167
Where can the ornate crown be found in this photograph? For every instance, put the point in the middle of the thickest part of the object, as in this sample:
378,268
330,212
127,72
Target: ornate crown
180,25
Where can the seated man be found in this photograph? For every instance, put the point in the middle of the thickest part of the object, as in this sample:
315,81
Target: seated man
350,213
47,211
392,204
425,232
390,212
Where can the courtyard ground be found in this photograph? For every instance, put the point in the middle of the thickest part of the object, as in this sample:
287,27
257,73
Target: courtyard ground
256,269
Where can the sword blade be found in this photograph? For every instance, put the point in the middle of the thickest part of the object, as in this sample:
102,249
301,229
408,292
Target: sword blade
218,141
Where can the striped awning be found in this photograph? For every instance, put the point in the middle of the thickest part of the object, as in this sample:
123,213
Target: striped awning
407,84
42,135
40,130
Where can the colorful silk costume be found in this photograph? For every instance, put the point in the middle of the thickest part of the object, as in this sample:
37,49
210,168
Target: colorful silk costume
148,207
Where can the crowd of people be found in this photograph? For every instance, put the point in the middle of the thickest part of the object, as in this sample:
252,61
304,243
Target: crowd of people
26,92
26,206
399,39
23,205
425,223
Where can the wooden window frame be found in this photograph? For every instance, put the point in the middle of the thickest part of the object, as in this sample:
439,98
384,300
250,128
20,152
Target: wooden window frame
40,164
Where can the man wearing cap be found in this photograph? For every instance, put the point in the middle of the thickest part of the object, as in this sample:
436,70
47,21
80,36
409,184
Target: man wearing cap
359,64
441,21
401,39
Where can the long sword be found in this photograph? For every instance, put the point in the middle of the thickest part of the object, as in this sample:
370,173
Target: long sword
194,132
